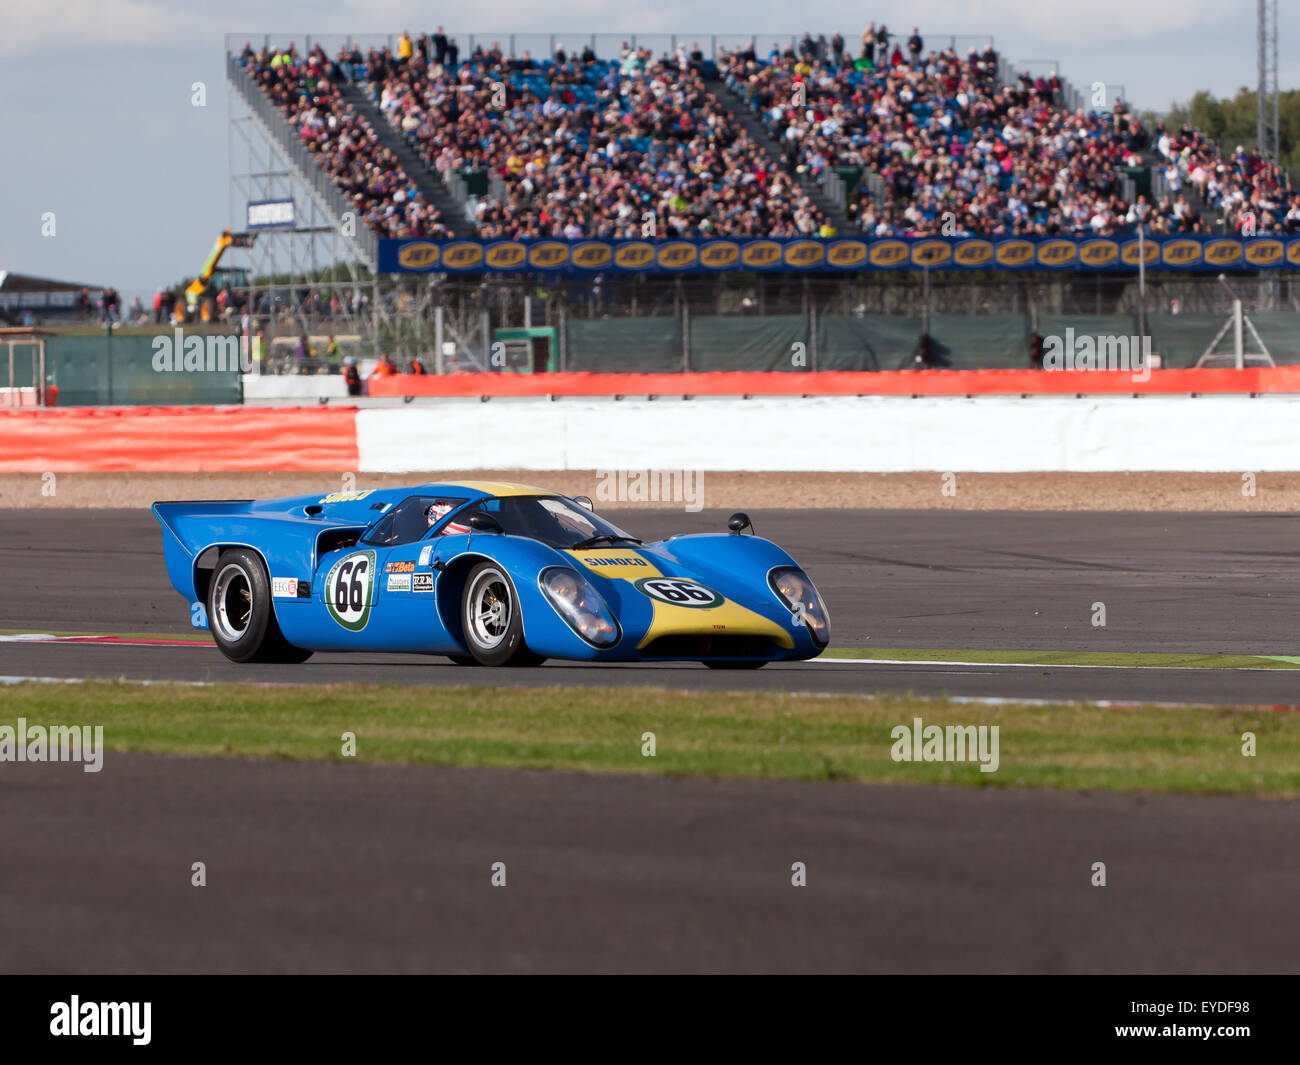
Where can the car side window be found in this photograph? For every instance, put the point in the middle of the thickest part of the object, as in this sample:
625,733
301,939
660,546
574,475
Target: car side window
409,520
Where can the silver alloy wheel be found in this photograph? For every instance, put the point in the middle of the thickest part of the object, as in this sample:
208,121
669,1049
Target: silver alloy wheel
490,607
232,601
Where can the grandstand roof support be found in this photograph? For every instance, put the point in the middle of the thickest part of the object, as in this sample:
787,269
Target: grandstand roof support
1266,119
287,265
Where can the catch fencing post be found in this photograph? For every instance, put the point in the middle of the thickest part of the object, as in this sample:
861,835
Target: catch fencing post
685,311
437,339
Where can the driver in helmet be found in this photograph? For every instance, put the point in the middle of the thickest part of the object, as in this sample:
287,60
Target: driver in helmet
438,511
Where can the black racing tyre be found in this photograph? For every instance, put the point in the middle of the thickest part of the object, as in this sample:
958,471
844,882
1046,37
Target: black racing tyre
492,621
464,660
738,663
240,615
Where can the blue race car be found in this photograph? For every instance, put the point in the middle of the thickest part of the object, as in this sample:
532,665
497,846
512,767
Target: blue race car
484,573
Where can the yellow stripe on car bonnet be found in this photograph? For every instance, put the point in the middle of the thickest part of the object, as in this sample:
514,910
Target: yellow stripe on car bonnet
670,620
503,488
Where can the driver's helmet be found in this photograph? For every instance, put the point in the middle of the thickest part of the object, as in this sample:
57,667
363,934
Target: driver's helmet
438,511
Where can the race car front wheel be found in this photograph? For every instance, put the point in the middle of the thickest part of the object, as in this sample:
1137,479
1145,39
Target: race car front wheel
491,619
240,615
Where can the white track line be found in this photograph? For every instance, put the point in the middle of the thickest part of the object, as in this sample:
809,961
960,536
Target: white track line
1029,665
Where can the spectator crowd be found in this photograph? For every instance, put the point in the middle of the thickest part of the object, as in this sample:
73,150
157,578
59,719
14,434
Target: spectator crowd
576,146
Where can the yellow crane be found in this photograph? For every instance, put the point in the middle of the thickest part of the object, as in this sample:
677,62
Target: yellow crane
198,303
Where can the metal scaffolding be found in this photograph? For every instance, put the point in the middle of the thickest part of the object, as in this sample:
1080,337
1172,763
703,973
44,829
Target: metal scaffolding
1266,120
314,277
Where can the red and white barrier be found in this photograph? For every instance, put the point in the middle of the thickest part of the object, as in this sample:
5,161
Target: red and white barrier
992,434
850,383
177,439
841,433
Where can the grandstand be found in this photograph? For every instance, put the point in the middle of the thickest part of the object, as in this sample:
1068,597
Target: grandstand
576,145
861,194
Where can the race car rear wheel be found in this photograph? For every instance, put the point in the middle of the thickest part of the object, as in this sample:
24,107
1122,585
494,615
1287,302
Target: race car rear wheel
491,619
240,616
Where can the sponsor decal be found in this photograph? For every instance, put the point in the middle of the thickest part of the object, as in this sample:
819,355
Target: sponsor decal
1098,252
1014,252
425,552
399,582
1264,251
677,255
888,253
614,560
973,253
592,255
1129,252
635,256
1223,252
304,589
679,592
462,255
400,567
284,587
506,255
804,253
931,253
345,497
720,254
761,253
349,589
548,255
418,256
1181,252
1057,252
422,582
846,253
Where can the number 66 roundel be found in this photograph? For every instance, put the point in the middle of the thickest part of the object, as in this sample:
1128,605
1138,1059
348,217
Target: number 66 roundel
678,592
349,588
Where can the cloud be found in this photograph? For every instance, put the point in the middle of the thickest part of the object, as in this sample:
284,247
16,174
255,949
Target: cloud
1064,22
33,26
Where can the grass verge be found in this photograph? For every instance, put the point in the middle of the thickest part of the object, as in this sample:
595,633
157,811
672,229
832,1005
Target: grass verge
765,735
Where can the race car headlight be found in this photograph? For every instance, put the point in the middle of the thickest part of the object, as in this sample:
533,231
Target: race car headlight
580,605
793,588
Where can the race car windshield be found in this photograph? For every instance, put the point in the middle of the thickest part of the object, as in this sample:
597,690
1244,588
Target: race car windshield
555,521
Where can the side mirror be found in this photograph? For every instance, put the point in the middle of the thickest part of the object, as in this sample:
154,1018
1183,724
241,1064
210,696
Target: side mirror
484,523
585,501
738,522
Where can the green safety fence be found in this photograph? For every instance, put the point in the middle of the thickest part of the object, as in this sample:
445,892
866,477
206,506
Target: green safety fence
624,345
114,369
845,342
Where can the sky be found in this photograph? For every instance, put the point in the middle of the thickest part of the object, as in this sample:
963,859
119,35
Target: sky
99,128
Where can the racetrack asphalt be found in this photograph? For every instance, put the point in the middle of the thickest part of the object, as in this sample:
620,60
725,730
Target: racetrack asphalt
942,579
330,867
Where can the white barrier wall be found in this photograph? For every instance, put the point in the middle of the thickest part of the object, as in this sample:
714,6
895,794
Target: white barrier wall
992,434
293,388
